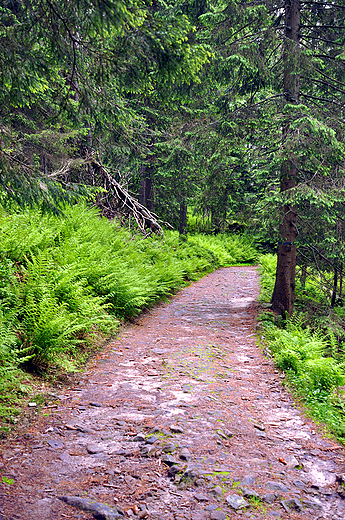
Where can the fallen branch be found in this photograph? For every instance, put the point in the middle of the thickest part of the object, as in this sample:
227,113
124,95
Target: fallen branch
146,221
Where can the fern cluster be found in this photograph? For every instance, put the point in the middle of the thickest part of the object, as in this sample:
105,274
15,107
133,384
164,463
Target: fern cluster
315,374
302,354
268,266
65,278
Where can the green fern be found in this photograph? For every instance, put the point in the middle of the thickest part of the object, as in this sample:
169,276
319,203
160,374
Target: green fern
324,373
268,266
78,272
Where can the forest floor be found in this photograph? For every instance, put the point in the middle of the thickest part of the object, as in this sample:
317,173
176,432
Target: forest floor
180,417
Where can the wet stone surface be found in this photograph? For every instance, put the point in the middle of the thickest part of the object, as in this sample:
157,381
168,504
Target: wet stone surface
181,417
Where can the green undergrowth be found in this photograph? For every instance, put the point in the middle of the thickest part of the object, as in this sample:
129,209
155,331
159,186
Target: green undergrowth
308,352
66,282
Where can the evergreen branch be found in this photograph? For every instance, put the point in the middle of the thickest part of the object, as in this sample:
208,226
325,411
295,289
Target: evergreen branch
273,52
276,63
302,254
327,4
308,96
325,56
24,165
317,55
322,26
236,32
245,107
329,77
314,249
65,24
265,100
321,39
272,150
324,83
247,25
250,35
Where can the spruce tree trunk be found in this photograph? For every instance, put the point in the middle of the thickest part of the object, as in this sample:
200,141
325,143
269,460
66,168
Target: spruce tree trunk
183,218
303,276
146,194
215,224
341,280
284,290
335,286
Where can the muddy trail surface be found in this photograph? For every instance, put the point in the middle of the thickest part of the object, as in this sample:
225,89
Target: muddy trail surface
181,417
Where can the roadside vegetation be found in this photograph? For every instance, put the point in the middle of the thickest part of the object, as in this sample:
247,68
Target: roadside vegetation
309,345
66,282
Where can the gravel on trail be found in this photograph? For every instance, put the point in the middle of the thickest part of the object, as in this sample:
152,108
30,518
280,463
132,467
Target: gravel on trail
181,417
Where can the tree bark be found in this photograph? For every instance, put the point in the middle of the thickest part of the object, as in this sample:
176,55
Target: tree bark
215,224
146,194
303,276
183,218
341,280
335,286
283,297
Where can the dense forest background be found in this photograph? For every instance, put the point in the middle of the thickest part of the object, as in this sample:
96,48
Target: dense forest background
226,113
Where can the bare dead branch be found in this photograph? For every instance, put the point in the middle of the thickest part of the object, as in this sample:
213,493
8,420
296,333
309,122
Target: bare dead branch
146,221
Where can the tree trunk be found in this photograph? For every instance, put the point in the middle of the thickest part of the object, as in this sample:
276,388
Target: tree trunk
215,224
44,163
183,218
146,194
303,276
335,285
283,297
341,280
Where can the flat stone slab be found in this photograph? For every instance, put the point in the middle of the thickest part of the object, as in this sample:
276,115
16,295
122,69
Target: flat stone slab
94,448
98,510
236,502
277,486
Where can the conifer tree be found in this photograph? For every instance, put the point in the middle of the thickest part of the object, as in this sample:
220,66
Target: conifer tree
284,290
71,77
280,114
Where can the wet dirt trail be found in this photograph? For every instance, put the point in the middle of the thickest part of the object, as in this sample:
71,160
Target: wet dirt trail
181,417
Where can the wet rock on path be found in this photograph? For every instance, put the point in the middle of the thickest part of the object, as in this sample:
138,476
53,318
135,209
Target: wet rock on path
181,417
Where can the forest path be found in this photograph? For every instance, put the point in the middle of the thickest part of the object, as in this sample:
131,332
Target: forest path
181,417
